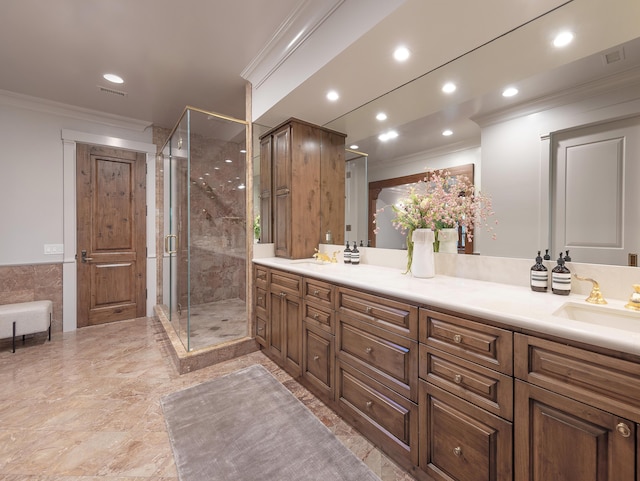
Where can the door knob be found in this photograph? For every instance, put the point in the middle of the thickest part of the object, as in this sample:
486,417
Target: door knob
84,257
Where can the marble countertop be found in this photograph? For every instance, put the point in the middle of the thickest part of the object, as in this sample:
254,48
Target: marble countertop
515,306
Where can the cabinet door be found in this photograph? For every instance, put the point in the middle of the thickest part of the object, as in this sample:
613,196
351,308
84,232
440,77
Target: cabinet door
292,334
274,328
281,158
559,439
318,359
266,194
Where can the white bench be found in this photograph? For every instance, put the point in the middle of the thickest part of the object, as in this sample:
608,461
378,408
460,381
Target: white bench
25,318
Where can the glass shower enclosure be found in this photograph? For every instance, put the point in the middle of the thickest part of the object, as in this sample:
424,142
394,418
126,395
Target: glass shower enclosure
205,222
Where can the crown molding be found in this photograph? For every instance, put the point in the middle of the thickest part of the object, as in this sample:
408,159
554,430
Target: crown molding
292,33
562,97
37,104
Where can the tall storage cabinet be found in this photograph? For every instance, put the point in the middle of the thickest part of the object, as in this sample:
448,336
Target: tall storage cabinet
301,187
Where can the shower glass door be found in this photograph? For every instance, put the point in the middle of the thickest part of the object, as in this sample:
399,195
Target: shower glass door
205,229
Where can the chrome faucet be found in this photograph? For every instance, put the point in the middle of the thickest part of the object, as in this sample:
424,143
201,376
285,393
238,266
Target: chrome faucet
595,296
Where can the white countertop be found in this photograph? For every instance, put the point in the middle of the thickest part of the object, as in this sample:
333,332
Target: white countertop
515,306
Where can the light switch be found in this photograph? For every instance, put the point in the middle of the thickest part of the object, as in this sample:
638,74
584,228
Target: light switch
53,249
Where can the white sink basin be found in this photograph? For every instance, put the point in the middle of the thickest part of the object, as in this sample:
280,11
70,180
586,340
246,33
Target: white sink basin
600,315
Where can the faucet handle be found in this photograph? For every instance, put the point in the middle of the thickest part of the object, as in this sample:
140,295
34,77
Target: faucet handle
634,299
595,296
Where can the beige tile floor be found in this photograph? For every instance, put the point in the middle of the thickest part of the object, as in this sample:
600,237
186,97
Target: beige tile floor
86,406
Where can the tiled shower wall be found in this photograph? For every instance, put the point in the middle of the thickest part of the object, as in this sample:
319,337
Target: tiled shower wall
33,282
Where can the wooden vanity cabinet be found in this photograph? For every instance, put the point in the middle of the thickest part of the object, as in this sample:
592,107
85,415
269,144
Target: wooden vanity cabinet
576,411
466,399
303,197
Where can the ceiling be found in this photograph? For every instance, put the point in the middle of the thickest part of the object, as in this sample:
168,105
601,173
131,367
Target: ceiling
194,52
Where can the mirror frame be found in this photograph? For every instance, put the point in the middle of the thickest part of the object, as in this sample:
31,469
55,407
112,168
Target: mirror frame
376,187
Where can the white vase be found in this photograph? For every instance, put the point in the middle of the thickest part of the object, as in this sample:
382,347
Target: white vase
448,240
422,264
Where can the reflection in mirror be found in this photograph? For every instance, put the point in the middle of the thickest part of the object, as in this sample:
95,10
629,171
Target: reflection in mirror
356,215
385,193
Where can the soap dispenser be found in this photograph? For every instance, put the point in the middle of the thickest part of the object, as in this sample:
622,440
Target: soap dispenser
347,254
561,278
355,255
539,276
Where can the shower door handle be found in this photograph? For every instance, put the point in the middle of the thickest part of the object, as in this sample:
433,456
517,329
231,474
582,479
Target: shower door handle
167,241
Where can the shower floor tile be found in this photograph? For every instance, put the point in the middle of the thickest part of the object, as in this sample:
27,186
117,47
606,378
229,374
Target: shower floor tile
213,323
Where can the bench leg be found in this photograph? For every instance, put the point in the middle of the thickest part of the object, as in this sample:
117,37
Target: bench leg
13,341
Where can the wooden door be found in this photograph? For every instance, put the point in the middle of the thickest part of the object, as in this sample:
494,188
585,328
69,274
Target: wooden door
111,237
559,439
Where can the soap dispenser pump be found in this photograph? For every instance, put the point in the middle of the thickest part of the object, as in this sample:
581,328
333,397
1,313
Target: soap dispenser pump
561,278
539,276
355,255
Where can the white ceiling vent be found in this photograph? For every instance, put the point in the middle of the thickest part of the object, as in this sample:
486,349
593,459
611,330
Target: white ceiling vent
613,56
107,90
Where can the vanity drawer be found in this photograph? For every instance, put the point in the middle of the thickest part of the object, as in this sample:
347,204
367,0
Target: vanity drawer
383,355
318,360
601,381
261,330
486,345
479,385
318,314
261,300
459,441
285,283
319,292
261,274
396,316
386,418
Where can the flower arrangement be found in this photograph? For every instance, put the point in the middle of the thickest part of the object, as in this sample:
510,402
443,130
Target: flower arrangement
441,201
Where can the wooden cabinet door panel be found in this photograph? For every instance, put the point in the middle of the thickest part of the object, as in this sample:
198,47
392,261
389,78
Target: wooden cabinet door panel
275,328
318,359
266,191
565,440
292,335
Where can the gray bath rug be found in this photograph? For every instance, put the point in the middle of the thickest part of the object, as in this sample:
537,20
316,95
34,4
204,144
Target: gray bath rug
246,426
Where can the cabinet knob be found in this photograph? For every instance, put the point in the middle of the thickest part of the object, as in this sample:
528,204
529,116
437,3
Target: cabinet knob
282,294
457,338
623,430
457,379
369,404
316,315
368,350
369,309
316,292
457,451
315,358
260,329
260,298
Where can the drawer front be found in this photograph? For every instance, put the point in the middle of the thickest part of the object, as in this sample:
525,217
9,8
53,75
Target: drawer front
459,441
488,346
389,358
319,292
389,420
261,274
285,283
479,385
601,381
318,315
318,360
261,300
395,316
261,330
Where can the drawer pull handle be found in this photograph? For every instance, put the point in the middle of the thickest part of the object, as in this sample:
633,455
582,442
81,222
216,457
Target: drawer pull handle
316,316
260,298
369,309
457,338
369,404
316,292
457,379
368,350
260,329
623,430
457,451
315,358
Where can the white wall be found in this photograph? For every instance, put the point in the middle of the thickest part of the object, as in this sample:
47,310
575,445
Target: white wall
31,171
515,166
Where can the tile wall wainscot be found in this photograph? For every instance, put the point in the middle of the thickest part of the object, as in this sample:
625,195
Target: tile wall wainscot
33,282
615,281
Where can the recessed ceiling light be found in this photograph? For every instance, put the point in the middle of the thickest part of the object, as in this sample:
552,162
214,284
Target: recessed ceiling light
510,92
241,186
563,39
354,147
401,54
243,151
392,134
447,132
111,77
449,87
228,161
381,116
333,95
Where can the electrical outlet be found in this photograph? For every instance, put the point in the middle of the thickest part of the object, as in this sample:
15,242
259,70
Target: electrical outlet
53,249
